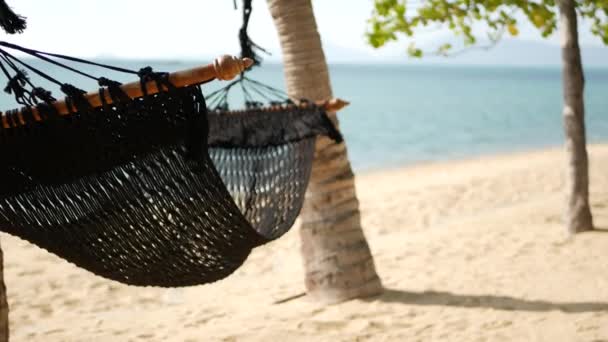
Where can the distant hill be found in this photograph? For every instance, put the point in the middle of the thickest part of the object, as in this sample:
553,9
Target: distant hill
508,52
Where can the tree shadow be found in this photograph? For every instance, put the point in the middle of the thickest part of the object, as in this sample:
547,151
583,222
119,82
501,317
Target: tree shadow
599,230
595,230
506,303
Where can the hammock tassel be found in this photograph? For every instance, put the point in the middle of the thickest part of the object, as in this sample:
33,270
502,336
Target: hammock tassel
10,21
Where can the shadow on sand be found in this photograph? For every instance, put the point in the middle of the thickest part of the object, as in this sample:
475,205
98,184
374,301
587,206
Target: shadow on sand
485,301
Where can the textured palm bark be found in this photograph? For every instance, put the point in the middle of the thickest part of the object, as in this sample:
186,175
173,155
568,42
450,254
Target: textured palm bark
578,214
3,303
337,259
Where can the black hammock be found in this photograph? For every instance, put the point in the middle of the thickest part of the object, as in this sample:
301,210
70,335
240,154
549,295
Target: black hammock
155,190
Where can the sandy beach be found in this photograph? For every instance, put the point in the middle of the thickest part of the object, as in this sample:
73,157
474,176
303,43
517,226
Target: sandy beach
470,250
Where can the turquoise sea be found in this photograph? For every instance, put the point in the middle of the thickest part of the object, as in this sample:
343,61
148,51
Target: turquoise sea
401,115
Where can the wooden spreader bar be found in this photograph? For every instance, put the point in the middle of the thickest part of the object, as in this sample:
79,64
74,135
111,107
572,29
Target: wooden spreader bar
223,68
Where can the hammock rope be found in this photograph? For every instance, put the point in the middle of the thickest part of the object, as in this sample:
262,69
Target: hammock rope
249,49
153,189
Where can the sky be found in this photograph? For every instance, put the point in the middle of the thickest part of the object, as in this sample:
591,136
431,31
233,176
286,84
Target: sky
196,29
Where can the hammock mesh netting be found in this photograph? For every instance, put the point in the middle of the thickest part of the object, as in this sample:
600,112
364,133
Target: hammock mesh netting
155,191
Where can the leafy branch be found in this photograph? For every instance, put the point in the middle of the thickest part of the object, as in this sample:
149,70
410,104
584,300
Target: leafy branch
392,18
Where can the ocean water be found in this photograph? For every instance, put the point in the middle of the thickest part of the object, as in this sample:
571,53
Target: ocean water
401,115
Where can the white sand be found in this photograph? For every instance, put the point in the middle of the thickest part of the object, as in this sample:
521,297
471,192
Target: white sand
468,251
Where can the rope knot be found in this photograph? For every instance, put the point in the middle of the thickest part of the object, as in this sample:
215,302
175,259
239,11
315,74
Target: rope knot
105,82
75,98
71,90
16,86
16,83
116,92
43,94
145,73
161,79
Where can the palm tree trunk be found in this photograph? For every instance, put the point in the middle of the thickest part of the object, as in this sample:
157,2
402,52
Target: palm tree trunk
578,214
3,303
337,259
